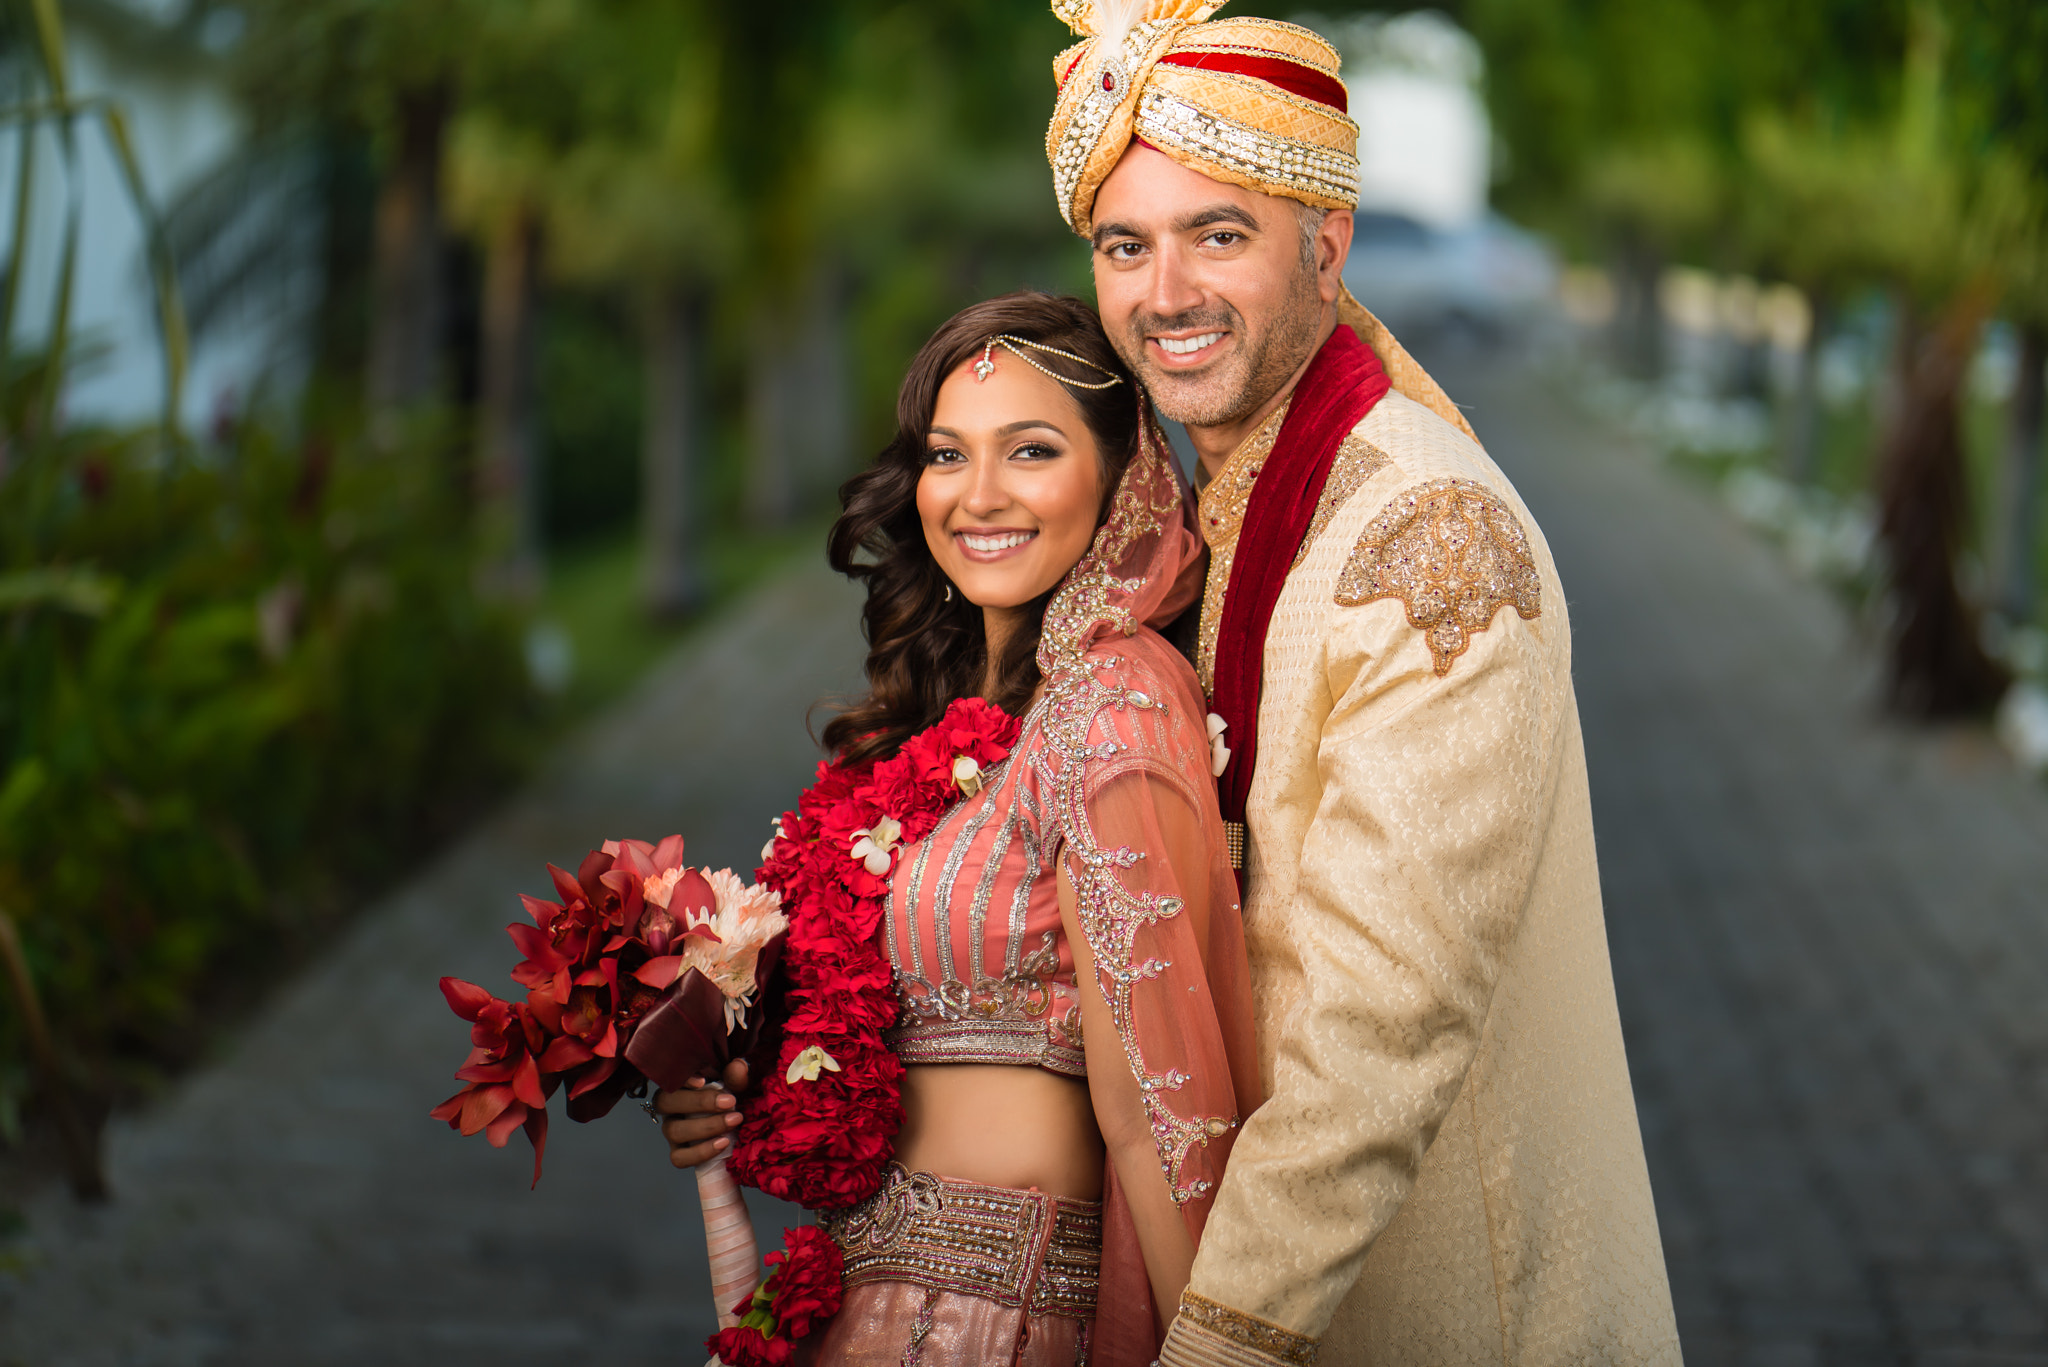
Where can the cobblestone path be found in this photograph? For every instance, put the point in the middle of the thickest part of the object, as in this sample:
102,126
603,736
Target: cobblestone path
294,1206
1830,937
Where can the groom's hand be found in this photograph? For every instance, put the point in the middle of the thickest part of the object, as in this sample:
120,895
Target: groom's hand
697,1120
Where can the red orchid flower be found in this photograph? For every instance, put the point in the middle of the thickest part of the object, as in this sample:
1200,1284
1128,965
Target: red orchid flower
506,1090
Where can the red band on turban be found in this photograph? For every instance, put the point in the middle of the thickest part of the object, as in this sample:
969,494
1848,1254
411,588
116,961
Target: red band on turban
1291,77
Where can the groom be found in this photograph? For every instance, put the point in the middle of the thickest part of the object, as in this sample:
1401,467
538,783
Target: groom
1447,1167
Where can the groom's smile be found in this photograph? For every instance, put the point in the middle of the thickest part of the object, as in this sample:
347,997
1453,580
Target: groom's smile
1188,352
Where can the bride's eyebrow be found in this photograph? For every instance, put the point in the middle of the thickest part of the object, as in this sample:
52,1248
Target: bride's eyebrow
1006,430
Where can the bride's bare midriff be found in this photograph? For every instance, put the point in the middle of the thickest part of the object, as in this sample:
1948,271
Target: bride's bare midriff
1001,1126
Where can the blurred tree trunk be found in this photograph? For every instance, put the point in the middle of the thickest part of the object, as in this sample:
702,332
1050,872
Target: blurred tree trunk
408,303
1938,665
2023,476
1803,429
1638,316
508,487
798,404
825,438
771,434
672,576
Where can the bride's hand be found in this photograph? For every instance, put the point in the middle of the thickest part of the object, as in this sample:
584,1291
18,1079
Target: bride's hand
698,1119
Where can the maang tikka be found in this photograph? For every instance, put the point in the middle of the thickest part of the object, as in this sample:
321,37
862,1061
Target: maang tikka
986,366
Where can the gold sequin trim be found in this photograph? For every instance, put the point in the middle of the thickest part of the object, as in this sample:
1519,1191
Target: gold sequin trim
1305,169
1248,1331
1225,497
1224,500
1454,555
1024,1249
1357,461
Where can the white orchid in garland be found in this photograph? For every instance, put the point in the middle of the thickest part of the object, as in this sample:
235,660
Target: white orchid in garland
808,1063
873,846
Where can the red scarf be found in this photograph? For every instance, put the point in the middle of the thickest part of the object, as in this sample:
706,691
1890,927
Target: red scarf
1339,388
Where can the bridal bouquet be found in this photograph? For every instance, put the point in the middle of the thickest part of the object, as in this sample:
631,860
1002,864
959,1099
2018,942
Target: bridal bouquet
646,970
639,942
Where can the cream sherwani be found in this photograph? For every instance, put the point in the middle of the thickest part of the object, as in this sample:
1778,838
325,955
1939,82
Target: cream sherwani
1448,1169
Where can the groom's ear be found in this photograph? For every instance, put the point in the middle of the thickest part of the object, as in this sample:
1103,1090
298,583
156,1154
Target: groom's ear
1333,248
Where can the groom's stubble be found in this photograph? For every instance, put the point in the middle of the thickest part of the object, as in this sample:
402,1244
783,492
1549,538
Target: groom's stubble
1273,349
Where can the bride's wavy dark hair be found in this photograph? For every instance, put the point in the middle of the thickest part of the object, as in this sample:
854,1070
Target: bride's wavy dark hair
923,650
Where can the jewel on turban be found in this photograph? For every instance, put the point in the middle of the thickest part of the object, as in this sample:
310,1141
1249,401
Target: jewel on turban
1252,102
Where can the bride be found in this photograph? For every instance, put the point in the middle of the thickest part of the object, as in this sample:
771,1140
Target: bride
1066,949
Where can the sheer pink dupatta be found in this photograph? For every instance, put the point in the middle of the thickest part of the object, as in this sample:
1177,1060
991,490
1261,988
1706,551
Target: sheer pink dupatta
1126,771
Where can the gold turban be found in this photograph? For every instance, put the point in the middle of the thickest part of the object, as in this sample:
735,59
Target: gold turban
1252,102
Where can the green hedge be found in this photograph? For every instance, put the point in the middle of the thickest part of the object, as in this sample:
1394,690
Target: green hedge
235,687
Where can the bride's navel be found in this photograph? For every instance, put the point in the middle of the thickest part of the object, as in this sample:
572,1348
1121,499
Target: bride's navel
1016,1127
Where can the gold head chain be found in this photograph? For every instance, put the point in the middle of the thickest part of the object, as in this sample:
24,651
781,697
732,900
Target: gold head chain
986,365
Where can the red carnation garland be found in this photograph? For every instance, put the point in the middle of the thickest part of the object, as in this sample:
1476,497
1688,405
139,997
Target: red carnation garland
823,1129
805,1286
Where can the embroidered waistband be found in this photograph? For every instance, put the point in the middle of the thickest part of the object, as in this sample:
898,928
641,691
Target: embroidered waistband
1023,1249
1027,1043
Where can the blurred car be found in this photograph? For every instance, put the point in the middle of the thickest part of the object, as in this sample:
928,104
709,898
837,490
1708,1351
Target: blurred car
1482,280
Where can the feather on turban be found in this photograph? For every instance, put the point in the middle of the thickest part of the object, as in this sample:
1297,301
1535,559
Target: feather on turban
1253,102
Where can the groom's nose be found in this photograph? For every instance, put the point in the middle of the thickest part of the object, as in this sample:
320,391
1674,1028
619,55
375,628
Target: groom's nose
1174,287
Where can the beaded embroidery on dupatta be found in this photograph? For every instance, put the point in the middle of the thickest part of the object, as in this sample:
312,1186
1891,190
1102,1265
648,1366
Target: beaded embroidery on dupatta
1188,1050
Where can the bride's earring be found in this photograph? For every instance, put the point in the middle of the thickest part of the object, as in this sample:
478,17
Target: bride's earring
949,593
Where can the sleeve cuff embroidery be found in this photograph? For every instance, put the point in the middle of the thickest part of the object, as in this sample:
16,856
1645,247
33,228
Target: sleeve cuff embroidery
1208,1334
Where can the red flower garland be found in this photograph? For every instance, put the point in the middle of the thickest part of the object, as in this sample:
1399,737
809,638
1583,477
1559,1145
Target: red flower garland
824,1127
823,1143
805,1284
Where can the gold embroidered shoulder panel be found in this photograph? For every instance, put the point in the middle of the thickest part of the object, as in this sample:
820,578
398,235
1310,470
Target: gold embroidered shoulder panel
1454,555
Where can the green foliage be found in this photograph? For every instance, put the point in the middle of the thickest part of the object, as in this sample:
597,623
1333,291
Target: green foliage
1839,144
232,687
590,425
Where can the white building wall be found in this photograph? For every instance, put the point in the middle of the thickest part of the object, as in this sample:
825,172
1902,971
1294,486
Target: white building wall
1424,147
181,127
